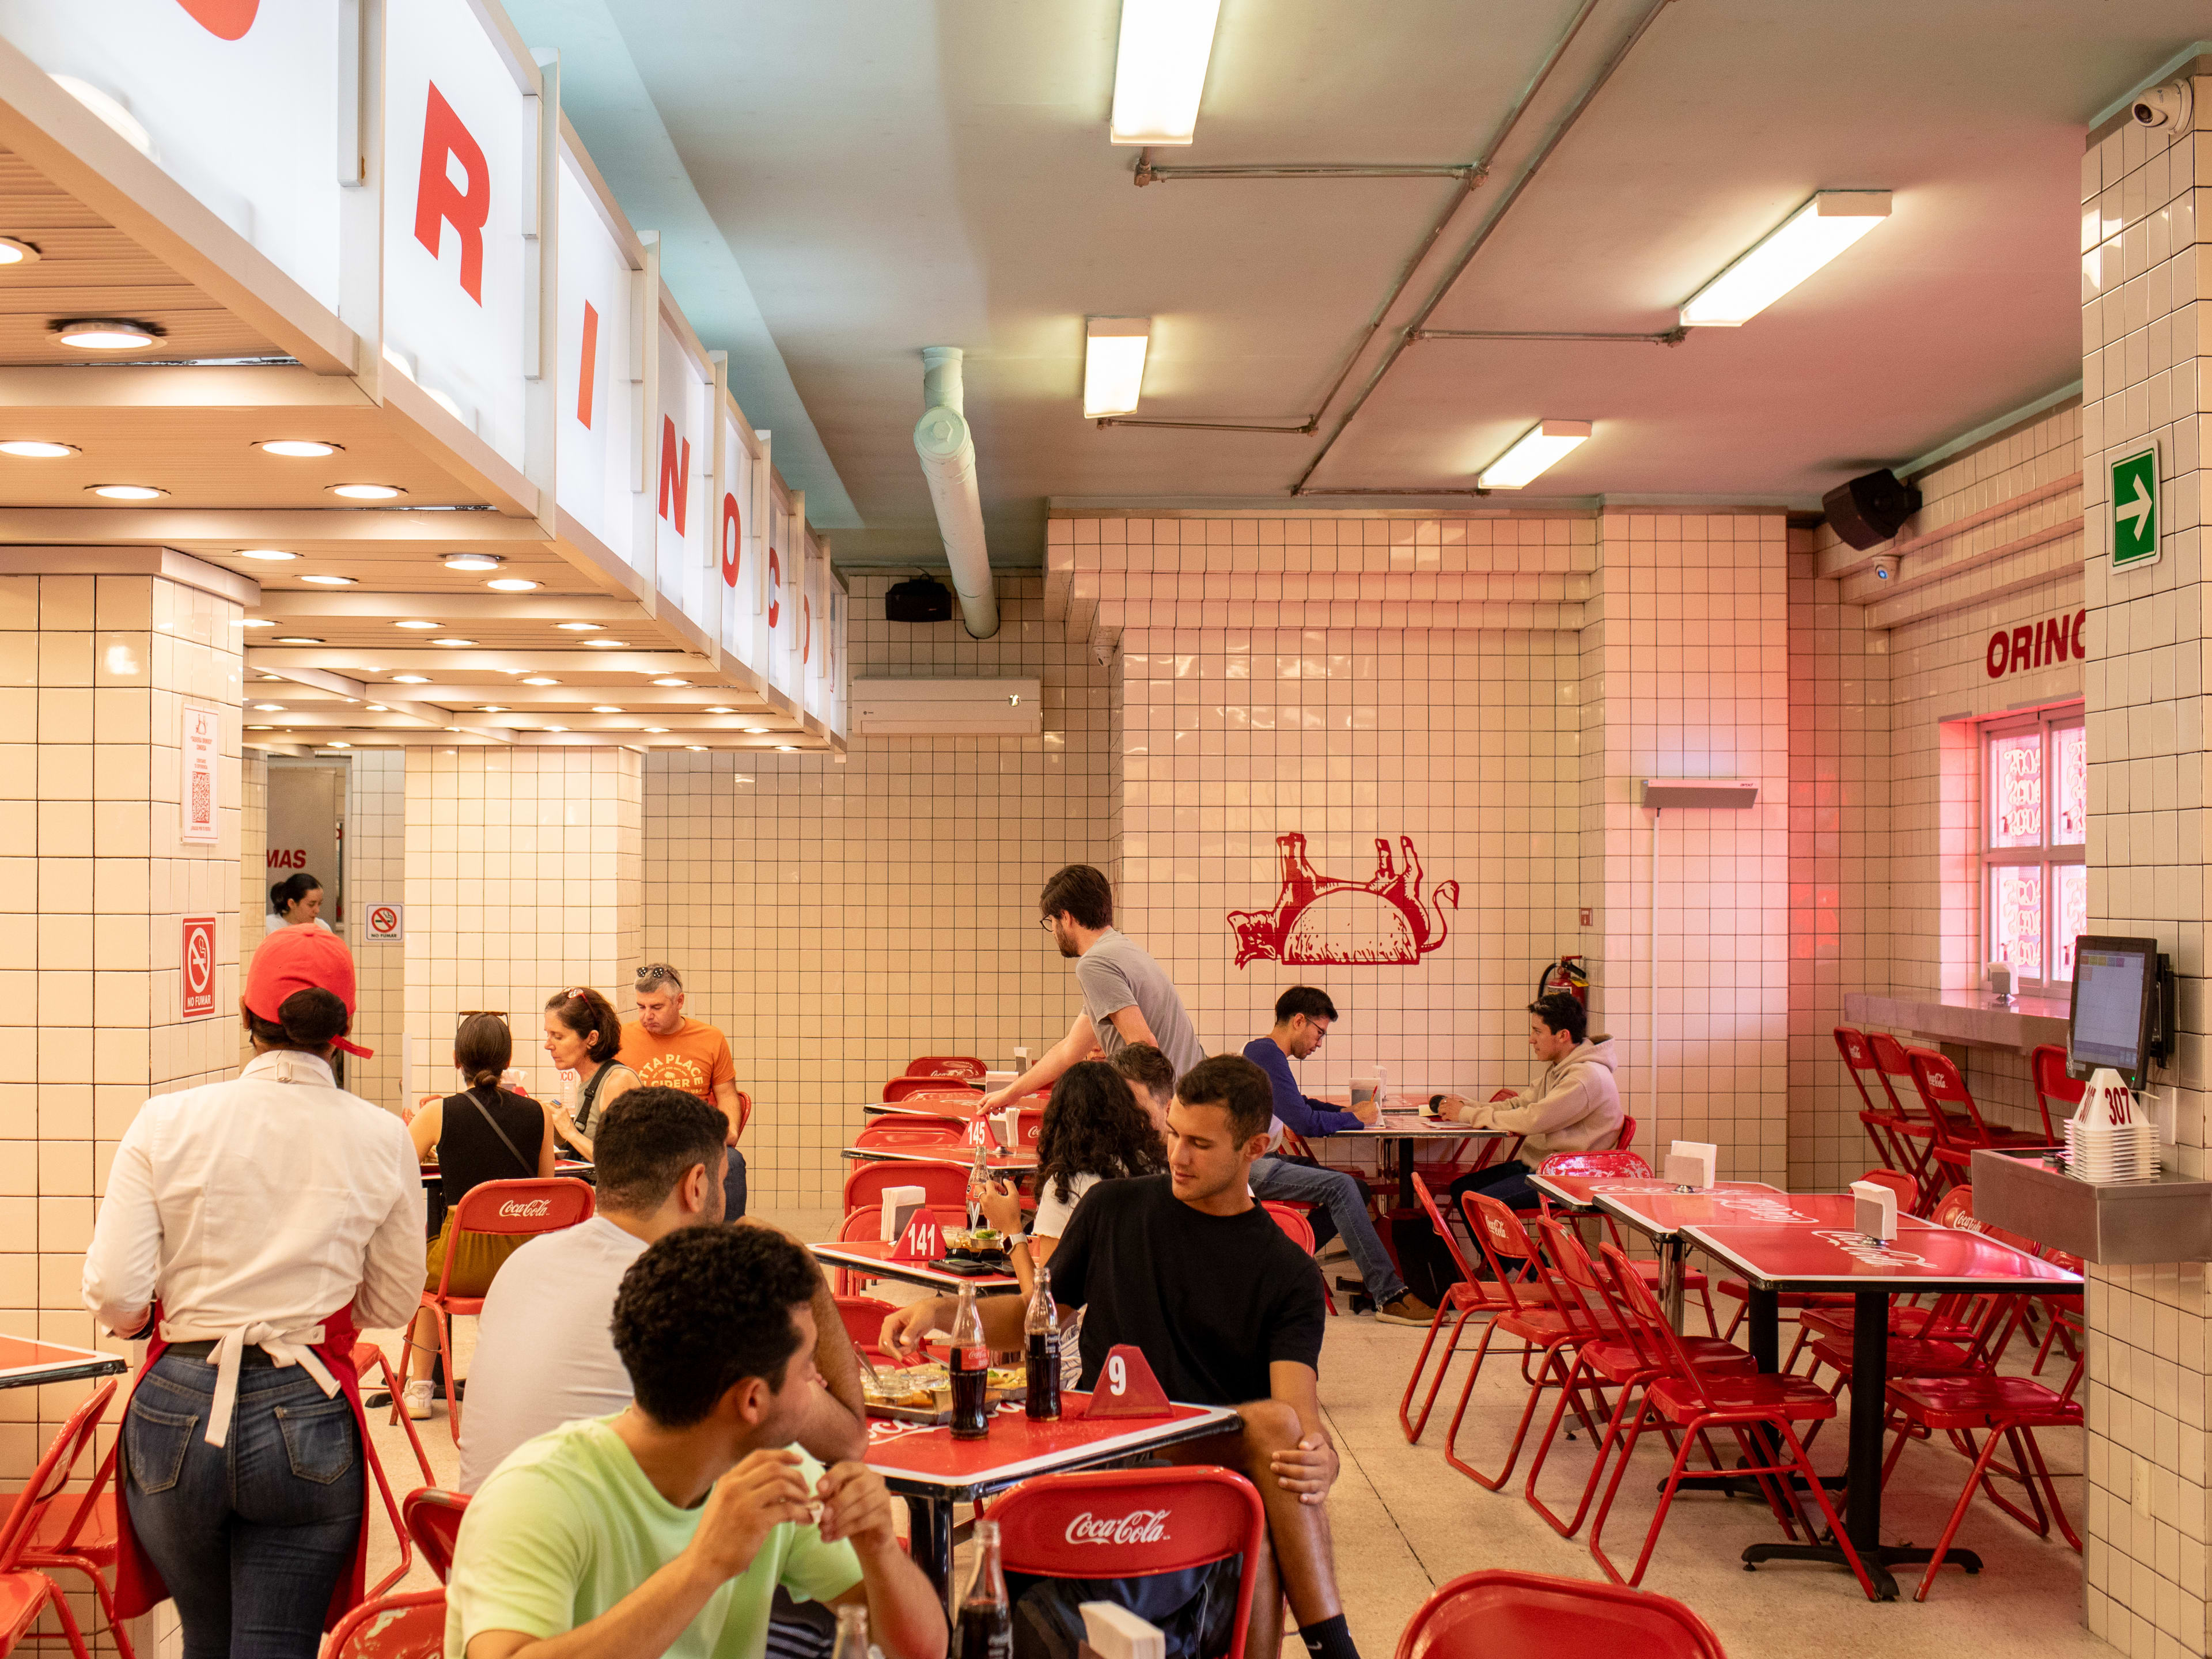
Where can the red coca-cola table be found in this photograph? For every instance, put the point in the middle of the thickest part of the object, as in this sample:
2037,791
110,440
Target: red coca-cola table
932,1471
1774,1256
1017,1163
869,1257
25,1362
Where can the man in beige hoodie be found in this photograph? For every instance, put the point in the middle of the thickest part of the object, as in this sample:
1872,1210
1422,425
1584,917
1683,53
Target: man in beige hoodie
1573,1107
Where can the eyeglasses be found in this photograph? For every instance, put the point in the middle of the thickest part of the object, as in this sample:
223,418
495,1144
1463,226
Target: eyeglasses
657,973
1046,922
574,993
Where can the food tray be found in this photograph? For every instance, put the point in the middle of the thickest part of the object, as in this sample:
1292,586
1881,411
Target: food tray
1008,1383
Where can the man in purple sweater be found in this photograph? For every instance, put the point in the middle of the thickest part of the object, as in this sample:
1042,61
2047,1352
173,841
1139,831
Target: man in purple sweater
1303,1016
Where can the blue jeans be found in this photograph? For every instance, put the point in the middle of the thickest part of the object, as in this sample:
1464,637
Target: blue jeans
733,1187
252,1537
1337,1193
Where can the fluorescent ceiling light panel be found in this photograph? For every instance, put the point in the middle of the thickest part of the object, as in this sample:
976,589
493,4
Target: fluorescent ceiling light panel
1536,450
1159,70
1805,241
1113,350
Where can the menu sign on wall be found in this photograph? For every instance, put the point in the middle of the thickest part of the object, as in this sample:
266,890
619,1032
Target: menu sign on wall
455,175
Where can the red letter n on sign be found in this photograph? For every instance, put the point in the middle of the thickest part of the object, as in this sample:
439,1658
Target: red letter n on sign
673,475
437,201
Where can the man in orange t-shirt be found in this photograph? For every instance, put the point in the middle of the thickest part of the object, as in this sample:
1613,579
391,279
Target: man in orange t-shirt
670,1052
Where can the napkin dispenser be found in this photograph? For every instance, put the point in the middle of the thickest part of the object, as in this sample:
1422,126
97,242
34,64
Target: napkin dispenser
1691,1163
1111,1631
1873,1211
1006,1127
900,1203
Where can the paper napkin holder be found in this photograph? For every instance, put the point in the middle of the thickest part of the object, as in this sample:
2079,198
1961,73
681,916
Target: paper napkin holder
1110,1630
899,1205
1873,1211
1691,1163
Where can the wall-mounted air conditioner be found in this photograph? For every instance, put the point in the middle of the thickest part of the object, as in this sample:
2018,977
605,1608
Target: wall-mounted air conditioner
947,709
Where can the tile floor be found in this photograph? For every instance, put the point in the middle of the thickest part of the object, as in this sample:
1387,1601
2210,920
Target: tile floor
1405,1523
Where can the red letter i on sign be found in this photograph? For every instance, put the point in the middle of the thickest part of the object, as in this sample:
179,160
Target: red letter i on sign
591,357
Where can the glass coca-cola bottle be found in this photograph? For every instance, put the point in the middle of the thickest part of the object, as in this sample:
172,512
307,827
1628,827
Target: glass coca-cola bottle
986,1619
969,1363
852,1634
1042,1329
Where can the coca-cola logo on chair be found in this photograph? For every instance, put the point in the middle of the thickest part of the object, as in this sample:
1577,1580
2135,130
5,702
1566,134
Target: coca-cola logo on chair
1137,1527
1319,919
526,1207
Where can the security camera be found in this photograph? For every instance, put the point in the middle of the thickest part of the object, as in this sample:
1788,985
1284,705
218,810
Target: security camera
1103,649
1884,569
2169,105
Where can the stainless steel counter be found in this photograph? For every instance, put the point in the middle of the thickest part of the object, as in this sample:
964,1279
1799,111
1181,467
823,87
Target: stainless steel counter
2126,1223
1971,1018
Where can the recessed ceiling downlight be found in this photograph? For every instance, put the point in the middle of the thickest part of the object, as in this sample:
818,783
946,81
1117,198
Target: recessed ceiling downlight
366,492
35,449
105,334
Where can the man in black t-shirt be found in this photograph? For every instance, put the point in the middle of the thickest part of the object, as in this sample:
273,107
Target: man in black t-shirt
1189,1270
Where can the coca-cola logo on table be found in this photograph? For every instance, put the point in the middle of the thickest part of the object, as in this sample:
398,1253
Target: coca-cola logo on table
526,1207
1137,1527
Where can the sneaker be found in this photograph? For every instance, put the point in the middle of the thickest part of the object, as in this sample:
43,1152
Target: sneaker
418,1400
1408,1309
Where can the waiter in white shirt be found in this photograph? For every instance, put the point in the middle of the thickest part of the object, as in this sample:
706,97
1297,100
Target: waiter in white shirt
249,1229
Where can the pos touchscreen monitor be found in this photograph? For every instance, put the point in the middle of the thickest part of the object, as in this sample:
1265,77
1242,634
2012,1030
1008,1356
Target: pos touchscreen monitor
2116,1017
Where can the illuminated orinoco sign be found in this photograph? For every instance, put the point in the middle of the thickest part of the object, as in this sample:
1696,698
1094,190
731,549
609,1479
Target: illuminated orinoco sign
2037,645
1859,1248
1137,1527
532,1207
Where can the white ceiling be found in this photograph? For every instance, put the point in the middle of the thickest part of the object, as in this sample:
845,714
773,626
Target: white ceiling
891,177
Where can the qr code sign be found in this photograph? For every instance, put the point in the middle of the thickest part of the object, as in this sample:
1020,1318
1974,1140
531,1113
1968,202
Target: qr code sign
203,797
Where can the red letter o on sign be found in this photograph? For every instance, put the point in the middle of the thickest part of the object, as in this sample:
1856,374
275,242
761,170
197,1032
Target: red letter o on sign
1999,655
733,535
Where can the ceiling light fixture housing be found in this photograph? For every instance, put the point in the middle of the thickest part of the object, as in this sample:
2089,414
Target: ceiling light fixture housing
472,562
539,679
1815,233
1159,70
415,622
1114,349
35,449
671,684
298,448
450,640
411,679
329,581
15,251
513,585
128,492
105,334
297,639
267,555
1542,447
604,708
608,645
366,492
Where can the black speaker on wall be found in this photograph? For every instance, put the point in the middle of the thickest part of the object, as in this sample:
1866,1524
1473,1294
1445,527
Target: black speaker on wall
1867,510
919,599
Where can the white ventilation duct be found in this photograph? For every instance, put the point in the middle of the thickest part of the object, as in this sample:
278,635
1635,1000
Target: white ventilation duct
948,461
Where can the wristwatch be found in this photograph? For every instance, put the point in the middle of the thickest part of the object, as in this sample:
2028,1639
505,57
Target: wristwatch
1012,1239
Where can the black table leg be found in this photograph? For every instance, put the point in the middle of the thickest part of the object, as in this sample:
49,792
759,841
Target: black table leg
930,1522
1766,1331
1405,1173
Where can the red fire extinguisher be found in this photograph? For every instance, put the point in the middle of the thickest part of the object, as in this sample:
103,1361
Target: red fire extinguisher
1567,974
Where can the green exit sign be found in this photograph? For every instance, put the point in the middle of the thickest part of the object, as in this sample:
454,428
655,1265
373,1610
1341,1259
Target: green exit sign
2134,508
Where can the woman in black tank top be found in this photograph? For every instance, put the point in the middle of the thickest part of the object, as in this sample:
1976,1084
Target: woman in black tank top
483,1133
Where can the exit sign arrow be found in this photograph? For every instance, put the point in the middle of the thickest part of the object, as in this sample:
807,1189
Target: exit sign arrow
2134,508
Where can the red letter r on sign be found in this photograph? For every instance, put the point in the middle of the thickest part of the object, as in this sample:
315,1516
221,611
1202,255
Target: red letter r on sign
435,199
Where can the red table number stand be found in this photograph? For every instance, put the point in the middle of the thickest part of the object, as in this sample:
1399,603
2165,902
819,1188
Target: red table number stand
922,1241
1126,1388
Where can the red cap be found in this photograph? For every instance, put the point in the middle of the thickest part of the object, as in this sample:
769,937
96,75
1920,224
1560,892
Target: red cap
300,959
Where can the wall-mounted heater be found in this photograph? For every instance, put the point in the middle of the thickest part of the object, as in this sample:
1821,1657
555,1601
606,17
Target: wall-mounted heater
948,709
1727,794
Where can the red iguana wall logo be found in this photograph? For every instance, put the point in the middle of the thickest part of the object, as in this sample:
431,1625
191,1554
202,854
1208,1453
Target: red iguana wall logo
1320,920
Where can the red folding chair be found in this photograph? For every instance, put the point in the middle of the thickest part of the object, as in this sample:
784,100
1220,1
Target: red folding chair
1617,1163
963,1066
1883,1125
2005,1410
867,1222
506,1209
1918,1131
864,1317
912,1134
1293,1221
1498,1614
945,1185
434,1521
1626,1138
2046,1069
25,1592
1943,1091
1608,1353
411,1626
1054,1527
930,1090
1689,1402
1462,1301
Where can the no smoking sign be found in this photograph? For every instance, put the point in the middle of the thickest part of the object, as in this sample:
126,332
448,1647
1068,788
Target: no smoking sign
197,964
387,921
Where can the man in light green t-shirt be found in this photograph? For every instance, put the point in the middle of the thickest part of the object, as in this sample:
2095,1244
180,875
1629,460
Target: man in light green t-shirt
667,1529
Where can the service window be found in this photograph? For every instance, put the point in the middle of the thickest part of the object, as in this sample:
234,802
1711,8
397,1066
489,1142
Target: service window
2035,812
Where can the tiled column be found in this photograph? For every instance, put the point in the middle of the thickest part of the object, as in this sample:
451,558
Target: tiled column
2147,289
95,883
525,870
1684,675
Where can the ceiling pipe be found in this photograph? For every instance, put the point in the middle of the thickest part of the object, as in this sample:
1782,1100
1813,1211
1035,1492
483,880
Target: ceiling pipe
947,449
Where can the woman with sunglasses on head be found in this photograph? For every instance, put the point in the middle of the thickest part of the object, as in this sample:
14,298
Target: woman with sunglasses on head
483,1133
583,1034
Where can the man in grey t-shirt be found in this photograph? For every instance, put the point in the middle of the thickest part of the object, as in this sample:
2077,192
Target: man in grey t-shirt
1127,995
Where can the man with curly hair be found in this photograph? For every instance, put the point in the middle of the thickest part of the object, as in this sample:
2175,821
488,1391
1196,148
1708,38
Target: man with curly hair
667,1528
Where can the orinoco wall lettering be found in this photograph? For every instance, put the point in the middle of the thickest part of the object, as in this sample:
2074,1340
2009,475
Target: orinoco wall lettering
2037,645
532,1207
1137,1527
